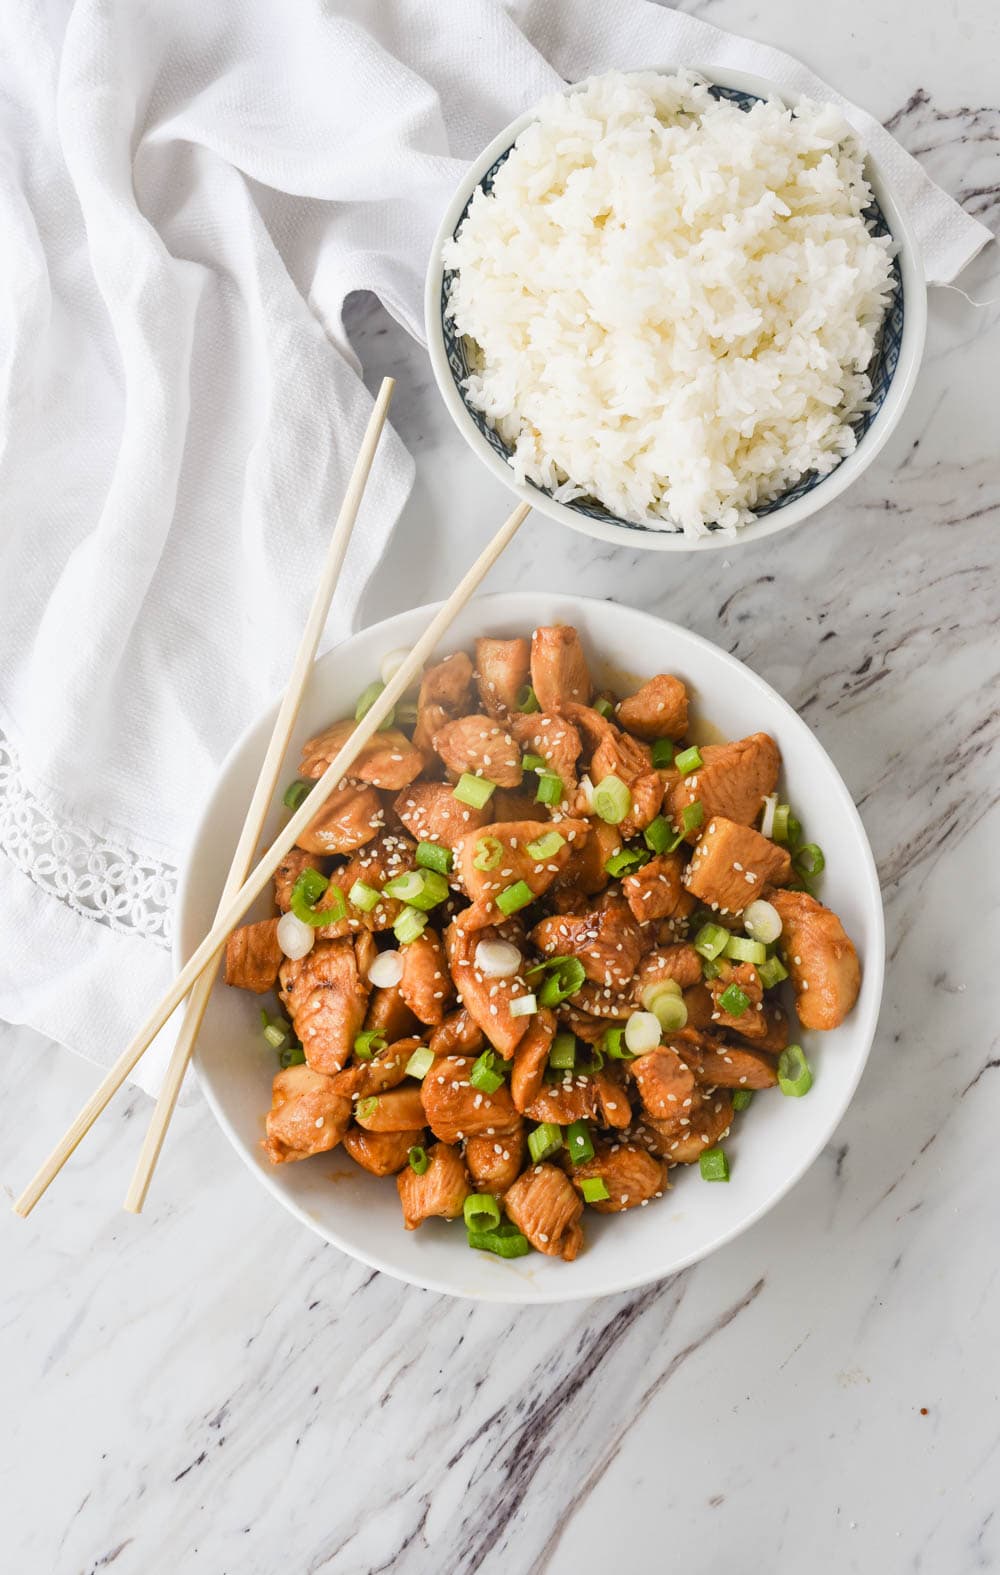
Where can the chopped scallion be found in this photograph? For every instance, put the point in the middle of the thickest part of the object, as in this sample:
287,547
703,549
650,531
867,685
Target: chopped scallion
291,1055
612,1042
515,897
367,699
612,800
771,972
364,897
526,700
545,847
488,854
410,924
745,950
488,1072
369,1043
579,1143
481,1211
692,815
688,760
663,754
544,1141
422,889
742,1098
366,1108
785,827
626,861
550,788
603,707
711,940
562,1054
710,969
432,856
794,1076
809,861
714,1164
531,762
501,1243
295,793
275,1030
474,791
658,835
594,1190
418,1159
307,891
523,1006
420,1062
734,1001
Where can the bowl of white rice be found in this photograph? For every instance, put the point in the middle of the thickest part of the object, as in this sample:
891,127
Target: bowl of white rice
675,312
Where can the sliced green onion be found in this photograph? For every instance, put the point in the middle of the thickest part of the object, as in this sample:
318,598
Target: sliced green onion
771,972
481,1211
710,969
667,1006
367,699
762,921
410,924
711,940
515,898
785,827
418,1159
742,1098
307,891
562,981
488,854
432,856
420,1062
734,1001
603,707
809,861
562,1055
475,791
499,1242
526,700
612,1042
523,1006
369,1043
544,1141
626,861
275,1030
578,1142
533,763
365,1108
714,1164
364,897
663,753
794,1076
688,760
612,800
291,1055
422,889
594,1190
550,788
545,847
745,950
488,1072
589,1060
692,815
295,793
658,835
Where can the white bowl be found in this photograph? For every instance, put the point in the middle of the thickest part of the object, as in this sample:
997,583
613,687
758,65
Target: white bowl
770,1147
898,363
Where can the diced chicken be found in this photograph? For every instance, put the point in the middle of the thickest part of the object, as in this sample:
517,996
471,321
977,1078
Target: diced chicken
431,813
458,1034
391,853
350,817
631,1174
381,1153
557,741
295,861
545,1207
726,1066
480,747
680,964
751,1022
732,864
487,1000
616,754
326,1001
389,1014
439,1192
307,1115
495,1163
666,1085
585,874
700,1006
253,957
445,693
397,1110
657,891
531,1058
365,952
516,864
581,1098
658,710
709,1124
590,1029
776,1022
426,985
559,673
386,1070
605,1000
733,780
820,957
454,1109
514,803
607,942
503,668
387,761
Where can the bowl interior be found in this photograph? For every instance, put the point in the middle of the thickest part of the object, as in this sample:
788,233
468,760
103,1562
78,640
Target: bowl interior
770,1146
460,355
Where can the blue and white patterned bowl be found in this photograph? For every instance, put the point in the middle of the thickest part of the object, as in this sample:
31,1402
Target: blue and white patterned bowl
893,369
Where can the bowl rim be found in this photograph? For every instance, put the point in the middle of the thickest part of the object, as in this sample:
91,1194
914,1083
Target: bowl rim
902,383
513,1292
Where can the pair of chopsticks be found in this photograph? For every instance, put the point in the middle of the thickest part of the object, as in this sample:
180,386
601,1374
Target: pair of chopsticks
246,882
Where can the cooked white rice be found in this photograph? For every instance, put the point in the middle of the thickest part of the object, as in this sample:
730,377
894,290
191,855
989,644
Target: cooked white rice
674,300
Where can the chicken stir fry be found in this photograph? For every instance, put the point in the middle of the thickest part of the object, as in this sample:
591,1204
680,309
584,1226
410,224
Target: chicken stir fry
539,949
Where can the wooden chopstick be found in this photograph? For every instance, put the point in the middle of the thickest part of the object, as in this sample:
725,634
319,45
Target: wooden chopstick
263,793
255,883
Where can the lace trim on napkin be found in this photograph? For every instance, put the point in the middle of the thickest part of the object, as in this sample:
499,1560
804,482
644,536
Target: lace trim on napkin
94,876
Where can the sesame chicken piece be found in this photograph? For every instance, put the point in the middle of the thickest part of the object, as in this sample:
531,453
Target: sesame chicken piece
603,1000
389,1014
559,668
531,1058
480,747
381,1153
700,1006
516,864
656,891
710,1123
544,1206
351,816
487,1000
397,1110
680,964
751,1022
388,760
503,669
431,813
514,803
445,693
727,1066
253,957
732,864
607,942
458,1034
295,861
585,874
390,853
733,780
439,1192
326,1001
658,710
454,1109
590,1097
307,1115
617,754
495,1163
383,1071
664,1082
555,738
631,1174
820,957
776,1037
590,1029
426,985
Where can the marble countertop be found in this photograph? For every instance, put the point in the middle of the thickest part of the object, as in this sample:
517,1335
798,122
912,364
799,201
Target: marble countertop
210,1388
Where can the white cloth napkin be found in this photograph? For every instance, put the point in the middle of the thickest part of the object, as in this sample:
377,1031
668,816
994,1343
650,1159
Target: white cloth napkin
189,191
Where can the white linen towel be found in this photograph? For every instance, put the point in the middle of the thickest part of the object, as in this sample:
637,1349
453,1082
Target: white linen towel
189,191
